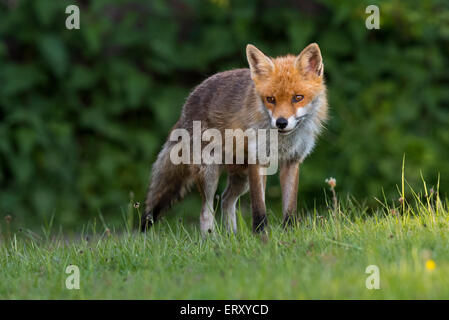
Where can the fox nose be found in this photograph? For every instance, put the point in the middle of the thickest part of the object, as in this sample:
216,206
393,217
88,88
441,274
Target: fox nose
281,123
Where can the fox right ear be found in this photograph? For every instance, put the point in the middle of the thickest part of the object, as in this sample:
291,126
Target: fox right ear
259,64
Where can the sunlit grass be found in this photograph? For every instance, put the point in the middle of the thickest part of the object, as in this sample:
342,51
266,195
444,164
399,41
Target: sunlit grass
324,256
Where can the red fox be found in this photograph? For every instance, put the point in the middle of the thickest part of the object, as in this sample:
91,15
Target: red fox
285,93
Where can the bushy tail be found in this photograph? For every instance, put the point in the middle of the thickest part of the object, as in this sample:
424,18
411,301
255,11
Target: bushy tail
169,183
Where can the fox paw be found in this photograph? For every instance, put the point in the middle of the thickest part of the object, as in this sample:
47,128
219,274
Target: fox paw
146,222
289,221
259,224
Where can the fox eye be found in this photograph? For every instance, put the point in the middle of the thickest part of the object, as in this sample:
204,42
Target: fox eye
297,98
271,100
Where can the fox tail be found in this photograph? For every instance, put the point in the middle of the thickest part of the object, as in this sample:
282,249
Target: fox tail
169,183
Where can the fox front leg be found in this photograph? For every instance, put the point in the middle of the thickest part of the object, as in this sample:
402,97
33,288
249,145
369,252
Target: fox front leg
257,192
289,176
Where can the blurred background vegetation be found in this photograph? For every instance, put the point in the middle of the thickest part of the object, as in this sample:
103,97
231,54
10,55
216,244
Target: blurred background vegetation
85,112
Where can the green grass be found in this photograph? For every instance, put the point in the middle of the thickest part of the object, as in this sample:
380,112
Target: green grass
322,257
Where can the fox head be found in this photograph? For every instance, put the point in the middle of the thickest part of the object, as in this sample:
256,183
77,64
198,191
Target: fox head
288,86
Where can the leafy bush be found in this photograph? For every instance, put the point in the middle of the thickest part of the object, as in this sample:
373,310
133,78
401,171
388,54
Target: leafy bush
84,112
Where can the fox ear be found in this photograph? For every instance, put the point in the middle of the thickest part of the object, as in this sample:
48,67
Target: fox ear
259,63
309,62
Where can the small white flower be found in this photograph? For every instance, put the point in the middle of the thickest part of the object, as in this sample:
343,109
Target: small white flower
332,182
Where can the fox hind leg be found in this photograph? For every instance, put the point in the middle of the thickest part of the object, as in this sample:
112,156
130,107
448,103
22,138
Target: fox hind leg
207,182
237,185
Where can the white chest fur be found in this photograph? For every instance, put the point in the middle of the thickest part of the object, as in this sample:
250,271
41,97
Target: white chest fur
299,144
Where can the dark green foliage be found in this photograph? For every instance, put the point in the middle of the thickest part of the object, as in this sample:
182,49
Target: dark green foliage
84,112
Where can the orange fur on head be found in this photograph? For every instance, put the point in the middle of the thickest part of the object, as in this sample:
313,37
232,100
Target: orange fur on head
285,77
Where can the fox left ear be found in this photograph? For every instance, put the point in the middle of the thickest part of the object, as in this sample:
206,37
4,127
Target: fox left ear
309,62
